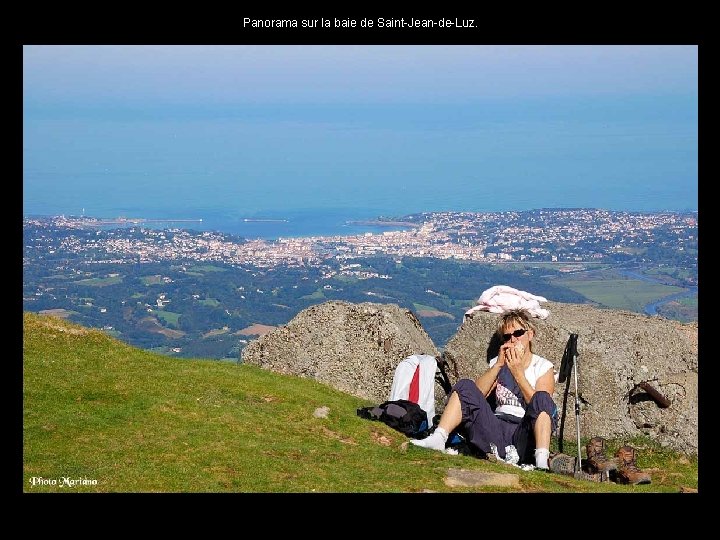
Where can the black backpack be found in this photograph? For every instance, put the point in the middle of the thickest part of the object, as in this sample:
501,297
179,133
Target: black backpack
402,415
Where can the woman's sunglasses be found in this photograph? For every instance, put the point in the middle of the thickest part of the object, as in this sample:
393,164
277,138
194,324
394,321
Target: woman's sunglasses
516,333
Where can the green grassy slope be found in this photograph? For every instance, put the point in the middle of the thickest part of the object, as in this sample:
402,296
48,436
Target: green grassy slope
101,416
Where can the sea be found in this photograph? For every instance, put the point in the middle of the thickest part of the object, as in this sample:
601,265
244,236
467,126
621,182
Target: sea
266,173
268,225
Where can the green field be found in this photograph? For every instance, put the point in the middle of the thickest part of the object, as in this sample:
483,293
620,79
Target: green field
670,271
625,294
132,421
317,295
169,317
100,282
212,302
206,268
683,309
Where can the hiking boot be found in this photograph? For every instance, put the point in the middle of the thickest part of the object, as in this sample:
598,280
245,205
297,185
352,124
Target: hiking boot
597,461
628,471
562,464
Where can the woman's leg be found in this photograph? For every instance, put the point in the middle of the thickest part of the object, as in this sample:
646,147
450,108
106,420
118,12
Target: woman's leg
532,438
542,440
542,430
449,420
452,415
467,407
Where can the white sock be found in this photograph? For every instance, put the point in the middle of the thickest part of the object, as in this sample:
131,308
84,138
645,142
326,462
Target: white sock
436,441
541,458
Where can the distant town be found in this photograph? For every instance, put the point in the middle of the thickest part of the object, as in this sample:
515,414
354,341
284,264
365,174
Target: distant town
568,235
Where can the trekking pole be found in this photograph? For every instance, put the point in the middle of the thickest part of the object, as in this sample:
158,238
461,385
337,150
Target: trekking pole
569,362
573,345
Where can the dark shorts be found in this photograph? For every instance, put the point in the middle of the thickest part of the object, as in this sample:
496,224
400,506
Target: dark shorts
481,427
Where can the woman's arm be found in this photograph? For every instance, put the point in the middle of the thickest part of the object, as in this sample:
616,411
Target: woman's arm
487,381
546,382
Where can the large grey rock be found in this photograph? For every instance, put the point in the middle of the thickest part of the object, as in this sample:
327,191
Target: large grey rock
617,350
356,348
352,347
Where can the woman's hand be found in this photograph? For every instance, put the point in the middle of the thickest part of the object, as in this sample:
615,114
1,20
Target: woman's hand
513,357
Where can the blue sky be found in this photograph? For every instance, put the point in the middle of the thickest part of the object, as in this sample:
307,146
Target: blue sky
136,75
403,128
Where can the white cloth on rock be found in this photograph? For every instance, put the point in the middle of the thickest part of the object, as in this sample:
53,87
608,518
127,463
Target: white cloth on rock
501,298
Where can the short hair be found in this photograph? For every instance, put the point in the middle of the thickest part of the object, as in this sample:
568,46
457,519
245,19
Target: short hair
520,317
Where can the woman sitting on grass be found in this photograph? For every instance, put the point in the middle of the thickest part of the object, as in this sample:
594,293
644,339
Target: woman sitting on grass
525,413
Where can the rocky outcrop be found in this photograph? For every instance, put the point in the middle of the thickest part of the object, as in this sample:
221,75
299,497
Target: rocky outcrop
617,351
352,347
356,348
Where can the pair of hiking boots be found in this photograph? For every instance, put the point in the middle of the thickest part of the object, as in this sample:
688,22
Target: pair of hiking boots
621,468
